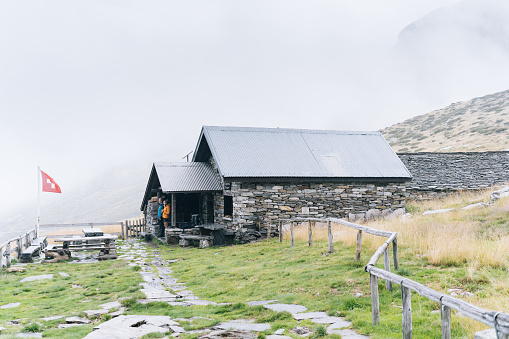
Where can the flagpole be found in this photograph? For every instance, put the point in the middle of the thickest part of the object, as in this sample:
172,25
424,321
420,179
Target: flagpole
38,200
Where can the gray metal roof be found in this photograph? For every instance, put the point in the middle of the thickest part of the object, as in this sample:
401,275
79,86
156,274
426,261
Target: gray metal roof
187,177
278,152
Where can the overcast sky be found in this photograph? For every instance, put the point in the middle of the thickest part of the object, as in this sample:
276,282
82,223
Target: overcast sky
90,85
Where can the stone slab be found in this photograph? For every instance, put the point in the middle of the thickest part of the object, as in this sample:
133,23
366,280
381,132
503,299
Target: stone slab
110,305
77,320
11,305
220,334
95,313
309,315
261,302
62,326
243,327
338,325
55,317
63,274
37,277
131,326
286,308
275,336
327,320
177,329
29,335
349,334
486,334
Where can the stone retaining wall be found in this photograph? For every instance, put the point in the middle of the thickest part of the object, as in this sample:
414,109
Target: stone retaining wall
271,201
440,174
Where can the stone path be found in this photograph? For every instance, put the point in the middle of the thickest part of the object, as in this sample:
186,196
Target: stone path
159,285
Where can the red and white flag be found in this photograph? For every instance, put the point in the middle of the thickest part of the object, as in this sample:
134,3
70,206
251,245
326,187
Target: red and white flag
48,184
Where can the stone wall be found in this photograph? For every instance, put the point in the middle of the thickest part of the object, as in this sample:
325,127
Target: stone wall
440,174
271,201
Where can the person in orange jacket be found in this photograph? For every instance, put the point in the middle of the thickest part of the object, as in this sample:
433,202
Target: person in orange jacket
166,213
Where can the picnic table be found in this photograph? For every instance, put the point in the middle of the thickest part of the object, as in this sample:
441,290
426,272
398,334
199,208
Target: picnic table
104,243
216,231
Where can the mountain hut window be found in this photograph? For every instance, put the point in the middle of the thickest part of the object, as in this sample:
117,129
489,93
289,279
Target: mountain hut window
228,206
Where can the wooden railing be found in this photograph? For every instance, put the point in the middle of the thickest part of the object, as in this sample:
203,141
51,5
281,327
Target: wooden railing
498,320
16,245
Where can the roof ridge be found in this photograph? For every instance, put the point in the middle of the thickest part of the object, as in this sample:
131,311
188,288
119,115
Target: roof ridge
286,130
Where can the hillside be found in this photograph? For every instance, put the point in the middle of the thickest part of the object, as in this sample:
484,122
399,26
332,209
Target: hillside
480,124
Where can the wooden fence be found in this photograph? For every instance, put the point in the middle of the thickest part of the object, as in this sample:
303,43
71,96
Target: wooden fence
498,320
133,228
15,245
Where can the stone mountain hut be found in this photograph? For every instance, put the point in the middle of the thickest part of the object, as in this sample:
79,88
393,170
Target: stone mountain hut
242,175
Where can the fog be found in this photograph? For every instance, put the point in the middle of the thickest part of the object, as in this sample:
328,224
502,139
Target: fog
87,86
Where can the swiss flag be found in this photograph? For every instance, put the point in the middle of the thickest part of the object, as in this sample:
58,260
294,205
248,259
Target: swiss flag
48,184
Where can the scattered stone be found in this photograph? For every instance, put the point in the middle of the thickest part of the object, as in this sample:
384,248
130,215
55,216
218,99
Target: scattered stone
350,334
37,277
467,294
486,334
11,305
29,335
1,329
273,336
117,313
77,320
337,326
280,331
504,192
62,326
95,313
243,327
237,334
261,302
478,205
451,290
110,305
15,269
177,329
328,320
302,331
131,326
286,308
14,322
358,295
454,294
439,211
309,315
55,317
63,274
76,286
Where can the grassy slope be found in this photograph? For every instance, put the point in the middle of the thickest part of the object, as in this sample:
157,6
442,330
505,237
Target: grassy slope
480,124
303,275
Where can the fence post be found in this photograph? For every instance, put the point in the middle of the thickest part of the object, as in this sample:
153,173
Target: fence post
1,256
20,246
138,229
280,231
375,303
122,227
387,267
310,234
358,246
331,240
291,234
128,229
268,231
144,224
395,253
446,322
8,255
406,297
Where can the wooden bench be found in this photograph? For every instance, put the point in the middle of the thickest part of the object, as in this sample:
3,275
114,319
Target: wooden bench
201,241
34,250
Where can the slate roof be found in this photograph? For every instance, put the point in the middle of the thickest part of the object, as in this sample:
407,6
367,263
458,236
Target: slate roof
246,152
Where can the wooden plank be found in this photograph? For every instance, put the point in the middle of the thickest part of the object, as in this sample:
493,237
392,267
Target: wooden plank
406,297
446,322
381,249
375,302
387,267
310,234
292,239
100,237
358,246
395,253
330,237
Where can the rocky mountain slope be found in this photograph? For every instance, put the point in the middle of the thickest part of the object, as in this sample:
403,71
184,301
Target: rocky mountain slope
480,124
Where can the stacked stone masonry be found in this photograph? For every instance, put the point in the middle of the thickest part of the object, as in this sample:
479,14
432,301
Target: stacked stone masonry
267,202
440,174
